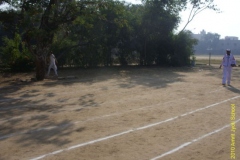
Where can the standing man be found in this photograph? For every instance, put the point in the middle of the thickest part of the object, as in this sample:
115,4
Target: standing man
228,62
52,64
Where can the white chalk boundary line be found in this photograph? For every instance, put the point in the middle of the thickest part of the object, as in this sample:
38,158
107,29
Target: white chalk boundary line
131,130
191,142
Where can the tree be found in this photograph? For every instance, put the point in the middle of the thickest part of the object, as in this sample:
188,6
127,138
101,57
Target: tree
183,49
84,33
38,21
15,54
94,33
196,7
158,22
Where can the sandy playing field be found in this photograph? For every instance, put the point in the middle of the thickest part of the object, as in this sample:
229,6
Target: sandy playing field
132,113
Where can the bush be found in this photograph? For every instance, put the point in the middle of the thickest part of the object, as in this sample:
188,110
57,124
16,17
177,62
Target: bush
15,55
183,49
22,64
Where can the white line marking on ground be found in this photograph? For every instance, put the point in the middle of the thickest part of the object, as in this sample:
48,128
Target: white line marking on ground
188,143
131,130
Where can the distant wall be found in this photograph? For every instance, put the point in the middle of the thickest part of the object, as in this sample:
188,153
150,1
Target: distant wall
216,47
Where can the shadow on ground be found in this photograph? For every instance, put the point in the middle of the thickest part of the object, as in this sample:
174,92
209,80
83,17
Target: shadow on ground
25,103
130,76
233,89
18,101
215,71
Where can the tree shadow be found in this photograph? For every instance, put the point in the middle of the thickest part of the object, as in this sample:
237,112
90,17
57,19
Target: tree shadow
44,131
87,101
17,102
128,76
49,133
153,77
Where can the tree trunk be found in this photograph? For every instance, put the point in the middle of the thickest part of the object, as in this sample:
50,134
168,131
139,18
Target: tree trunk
40,68
145,52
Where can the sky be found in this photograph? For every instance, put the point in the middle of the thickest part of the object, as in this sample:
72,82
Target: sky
226,23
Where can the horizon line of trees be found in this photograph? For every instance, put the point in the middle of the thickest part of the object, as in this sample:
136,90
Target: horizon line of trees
89,33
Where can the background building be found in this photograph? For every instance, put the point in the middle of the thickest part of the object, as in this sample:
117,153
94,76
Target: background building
211,42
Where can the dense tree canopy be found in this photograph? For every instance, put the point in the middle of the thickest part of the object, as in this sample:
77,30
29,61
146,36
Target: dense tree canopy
88,33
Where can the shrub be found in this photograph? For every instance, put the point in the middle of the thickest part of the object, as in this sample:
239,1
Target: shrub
15,55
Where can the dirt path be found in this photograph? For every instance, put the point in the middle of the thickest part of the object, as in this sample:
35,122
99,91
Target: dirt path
121,114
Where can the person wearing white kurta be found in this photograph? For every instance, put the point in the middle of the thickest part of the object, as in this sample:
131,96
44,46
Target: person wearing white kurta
52,65
228,62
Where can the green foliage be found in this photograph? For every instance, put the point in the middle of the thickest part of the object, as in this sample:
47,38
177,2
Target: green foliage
157,24
92,33
183,49
137,33
15,55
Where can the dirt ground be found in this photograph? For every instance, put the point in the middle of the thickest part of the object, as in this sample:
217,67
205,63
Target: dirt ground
120,113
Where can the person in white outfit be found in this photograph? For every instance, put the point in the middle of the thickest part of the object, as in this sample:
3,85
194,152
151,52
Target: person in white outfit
52,64
228,62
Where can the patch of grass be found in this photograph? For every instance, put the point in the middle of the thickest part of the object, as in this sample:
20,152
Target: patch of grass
206,61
